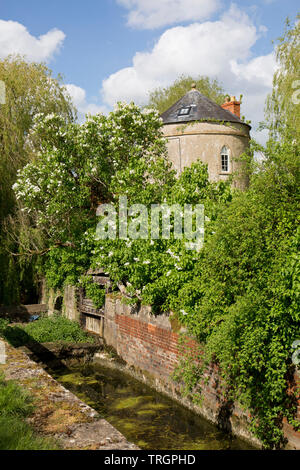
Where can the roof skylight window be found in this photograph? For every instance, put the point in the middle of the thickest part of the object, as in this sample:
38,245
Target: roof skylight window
184,111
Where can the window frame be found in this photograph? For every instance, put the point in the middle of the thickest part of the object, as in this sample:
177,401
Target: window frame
188,108
225,152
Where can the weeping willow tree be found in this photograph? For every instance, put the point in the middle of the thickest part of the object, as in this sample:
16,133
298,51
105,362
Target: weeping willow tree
30,88
283,104
162,98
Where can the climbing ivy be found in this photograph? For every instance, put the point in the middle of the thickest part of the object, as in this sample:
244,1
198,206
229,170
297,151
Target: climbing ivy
243,302
93,291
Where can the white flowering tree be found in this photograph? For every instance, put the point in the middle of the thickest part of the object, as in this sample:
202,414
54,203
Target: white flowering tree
30,88
152,270
79,167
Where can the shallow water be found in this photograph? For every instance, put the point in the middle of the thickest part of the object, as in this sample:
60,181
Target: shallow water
142,415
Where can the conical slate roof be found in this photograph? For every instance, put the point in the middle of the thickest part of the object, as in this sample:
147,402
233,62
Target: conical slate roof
196,107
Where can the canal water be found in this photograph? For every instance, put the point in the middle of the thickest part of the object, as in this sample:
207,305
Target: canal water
144,416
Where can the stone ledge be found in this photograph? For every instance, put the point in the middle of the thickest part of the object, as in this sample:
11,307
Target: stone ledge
59,413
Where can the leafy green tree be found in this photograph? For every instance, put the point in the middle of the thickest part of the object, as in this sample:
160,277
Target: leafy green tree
30,89
283,104
153,270
79,167
162,98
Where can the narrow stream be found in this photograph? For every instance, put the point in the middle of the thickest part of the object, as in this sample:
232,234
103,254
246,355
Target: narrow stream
142,415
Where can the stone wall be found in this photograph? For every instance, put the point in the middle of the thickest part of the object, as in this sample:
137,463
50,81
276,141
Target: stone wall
65,301
204,141
59,414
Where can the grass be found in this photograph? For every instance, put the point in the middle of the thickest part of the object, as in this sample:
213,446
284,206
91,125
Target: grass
15,433
44,330
13,399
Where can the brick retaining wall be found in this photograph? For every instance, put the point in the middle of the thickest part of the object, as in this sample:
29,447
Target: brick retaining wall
149,344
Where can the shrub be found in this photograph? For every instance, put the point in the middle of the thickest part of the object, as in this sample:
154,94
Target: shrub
47,329
56,328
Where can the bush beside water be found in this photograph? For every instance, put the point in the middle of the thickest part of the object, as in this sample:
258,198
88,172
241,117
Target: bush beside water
44,330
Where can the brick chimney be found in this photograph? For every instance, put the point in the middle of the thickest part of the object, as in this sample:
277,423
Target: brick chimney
232,105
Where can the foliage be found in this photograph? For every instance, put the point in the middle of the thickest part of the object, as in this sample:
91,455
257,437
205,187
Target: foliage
3,324
81,166
163,98
47,329
150,270
93,291
13,399
244,303
15,434
30,89
283,104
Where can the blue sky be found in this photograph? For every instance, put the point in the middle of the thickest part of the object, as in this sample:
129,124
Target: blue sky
109,50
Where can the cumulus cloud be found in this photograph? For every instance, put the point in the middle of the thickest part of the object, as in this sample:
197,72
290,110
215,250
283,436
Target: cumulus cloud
149,14
78,96
16,39
219,49
200,48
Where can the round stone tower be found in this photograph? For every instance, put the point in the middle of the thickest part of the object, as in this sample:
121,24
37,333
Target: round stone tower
197,128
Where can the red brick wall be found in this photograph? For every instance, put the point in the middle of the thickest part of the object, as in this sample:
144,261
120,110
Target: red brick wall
292,435
149,344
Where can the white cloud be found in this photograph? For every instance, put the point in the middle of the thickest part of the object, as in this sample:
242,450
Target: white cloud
258,69
220,49
200,48
16,39
255,79
148,14
78,96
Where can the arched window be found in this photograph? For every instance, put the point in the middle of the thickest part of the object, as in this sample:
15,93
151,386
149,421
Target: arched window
225,159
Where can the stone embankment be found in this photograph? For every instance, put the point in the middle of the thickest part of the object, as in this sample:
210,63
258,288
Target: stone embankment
59,413
56,354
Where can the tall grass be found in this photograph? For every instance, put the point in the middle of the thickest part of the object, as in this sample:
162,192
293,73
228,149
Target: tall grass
15,433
